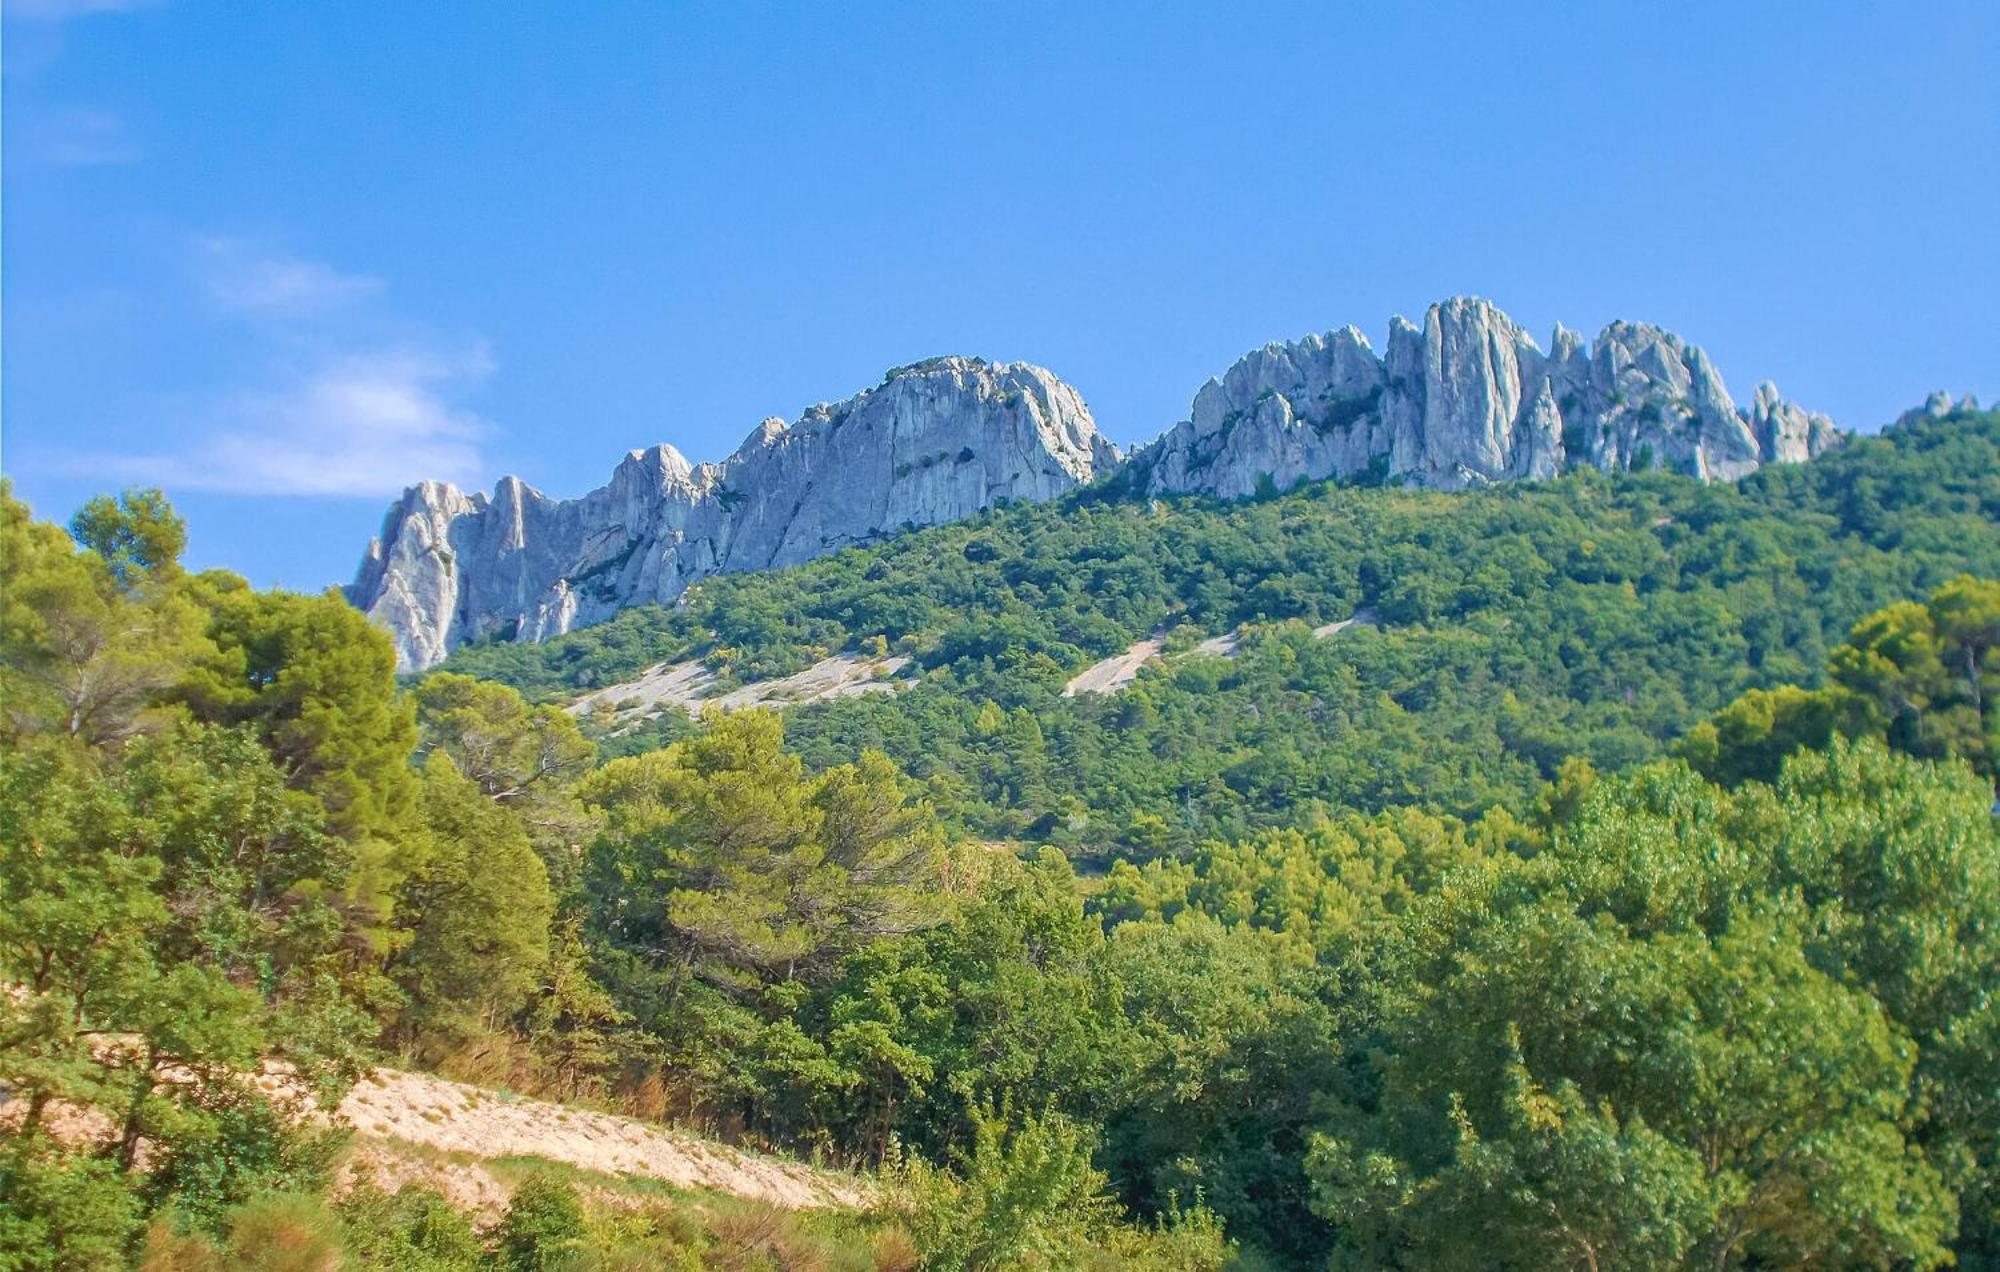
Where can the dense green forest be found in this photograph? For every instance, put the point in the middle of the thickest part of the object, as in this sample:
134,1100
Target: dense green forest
1514,627
1629,897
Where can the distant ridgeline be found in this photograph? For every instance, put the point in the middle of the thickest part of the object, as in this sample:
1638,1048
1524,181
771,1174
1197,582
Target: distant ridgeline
1467,400
1505,627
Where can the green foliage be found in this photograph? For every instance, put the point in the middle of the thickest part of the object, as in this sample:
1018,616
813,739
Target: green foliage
726,881
84,651
544,1227
1749,739
1418,962
284,1232
244,1147
1010,996
413,1230
1592,616
1921,677
315,681
1324,886
745,866
1929,672
135,535
477,907
1025,1195
172,890
523,758
1697,1029
1226,1046
89,939
62,1211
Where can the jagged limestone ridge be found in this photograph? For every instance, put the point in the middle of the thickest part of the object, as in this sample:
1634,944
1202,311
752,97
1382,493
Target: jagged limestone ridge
1467,399
934,442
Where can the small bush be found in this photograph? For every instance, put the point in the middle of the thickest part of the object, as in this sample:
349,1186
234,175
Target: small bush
283,1232
1027,1196
1024,1196
169,1250
895,1250
244,1147
544,1228
62,1210
416,1230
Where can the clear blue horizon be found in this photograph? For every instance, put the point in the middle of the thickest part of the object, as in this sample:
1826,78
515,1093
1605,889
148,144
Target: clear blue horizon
284,259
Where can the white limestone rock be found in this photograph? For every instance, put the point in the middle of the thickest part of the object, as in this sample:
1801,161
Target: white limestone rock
934,442
1786,434
1465,399
1936,407
411,574
1468,399
1284,413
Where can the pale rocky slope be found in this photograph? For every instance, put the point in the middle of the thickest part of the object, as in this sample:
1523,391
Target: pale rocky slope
1109,675
692,687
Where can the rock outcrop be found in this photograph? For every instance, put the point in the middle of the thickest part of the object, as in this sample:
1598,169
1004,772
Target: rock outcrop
934,442
1466,400
1936,407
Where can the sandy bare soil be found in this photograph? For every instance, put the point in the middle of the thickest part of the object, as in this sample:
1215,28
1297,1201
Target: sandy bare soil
412,1128
394,1110
841,676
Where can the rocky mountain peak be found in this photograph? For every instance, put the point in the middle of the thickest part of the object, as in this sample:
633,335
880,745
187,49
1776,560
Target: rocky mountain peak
1466,399
1463,399
936,441
1936,407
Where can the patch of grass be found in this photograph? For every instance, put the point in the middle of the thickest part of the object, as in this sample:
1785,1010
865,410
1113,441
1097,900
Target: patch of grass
515,1168
640,1222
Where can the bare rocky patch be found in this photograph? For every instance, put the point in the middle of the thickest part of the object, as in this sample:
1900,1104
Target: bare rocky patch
1119,670
691,687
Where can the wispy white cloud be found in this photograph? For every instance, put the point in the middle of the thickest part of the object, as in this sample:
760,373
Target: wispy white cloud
247,278
334,398
78,137
355,424
63,10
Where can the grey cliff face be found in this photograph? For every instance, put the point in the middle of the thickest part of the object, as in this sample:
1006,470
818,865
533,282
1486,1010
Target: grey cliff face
1466,399
935,442
1469,399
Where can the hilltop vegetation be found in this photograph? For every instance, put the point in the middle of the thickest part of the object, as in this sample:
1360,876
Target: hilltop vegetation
1729,1007
1590,616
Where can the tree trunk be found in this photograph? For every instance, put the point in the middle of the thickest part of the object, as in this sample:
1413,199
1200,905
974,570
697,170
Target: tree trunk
128,1135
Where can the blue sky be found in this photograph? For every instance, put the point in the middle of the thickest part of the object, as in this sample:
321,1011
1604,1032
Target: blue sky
284,258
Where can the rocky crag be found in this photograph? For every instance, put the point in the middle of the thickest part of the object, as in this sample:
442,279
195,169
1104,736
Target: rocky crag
1468,399
1465,400
934,442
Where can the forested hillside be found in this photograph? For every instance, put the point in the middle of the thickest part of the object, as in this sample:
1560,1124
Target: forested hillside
239,867
1710,983
1512,627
